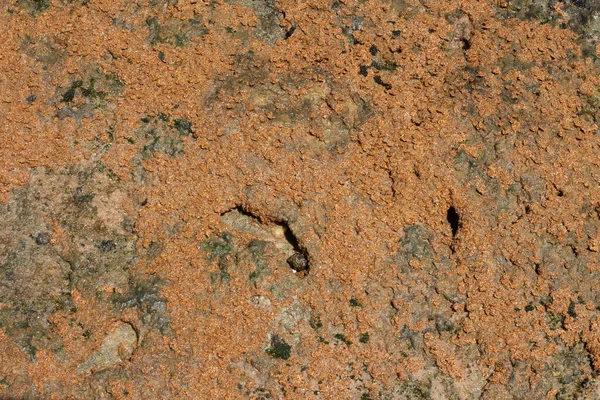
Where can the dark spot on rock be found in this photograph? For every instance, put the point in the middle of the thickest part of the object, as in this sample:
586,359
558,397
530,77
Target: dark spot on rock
107,246
42,238
453,219
529,307
571,310
161,56
31,99
373,50
279,348
354,303
364,338
396,33
80,197
363,70
183,126
379,81
316,323
69,95
342,338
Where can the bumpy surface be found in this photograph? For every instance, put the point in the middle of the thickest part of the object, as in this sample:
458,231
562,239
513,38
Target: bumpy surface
266,199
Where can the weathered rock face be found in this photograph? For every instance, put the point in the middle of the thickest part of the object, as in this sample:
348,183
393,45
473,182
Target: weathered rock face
258,199
117,347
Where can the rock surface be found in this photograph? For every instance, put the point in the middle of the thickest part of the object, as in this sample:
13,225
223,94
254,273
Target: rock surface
263,199
117,347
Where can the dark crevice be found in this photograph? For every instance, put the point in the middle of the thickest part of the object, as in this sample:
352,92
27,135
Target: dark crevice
290,31
245,213
297,261
290,237
453,219
466,43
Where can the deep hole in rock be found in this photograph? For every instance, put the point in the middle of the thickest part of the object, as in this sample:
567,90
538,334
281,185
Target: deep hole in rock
466,44
453,219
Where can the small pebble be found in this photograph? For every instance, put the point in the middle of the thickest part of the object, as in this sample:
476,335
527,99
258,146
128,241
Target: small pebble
298,262
278,232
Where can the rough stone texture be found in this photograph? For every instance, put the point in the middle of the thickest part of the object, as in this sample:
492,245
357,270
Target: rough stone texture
116,347
272,199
